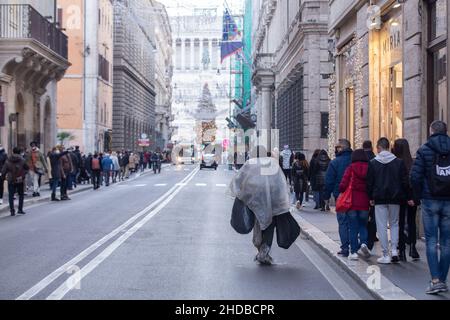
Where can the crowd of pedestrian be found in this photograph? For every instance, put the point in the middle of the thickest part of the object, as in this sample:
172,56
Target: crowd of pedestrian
24,171
377,197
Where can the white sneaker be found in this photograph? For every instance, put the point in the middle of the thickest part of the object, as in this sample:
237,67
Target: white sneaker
364,251
384,260
353,257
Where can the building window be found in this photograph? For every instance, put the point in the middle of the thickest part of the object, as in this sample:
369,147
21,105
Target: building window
437,61
324,124
438,18
178,54
290,116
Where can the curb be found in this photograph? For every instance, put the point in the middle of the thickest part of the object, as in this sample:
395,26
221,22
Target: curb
79,189
359,270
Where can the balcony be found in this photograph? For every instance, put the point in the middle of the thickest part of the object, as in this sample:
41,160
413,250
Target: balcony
22,22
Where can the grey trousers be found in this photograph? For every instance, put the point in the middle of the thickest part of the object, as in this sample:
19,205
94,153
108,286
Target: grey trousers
384,214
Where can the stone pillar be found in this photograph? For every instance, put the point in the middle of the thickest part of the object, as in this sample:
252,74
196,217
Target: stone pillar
210,55
192,55
183,54
266,81
201,54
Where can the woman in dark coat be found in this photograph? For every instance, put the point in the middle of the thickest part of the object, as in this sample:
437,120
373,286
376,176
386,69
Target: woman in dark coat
312,179
300,174
318,173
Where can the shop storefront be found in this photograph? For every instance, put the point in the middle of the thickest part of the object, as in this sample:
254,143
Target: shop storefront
386,51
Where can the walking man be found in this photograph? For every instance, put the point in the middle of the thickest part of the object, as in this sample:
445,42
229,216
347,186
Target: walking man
430,179
38,167
96,167
287,159
108,167
333,178
387,188
15,170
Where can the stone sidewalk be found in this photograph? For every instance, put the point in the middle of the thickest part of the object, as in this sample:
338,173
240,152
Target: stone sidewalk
46,193
407,280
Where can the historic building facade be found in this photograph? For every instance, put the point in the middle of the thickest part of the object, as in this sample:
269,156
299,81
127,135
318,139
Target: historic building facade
163,76
33,58
86,92
391,69
197,35
134,74
291,70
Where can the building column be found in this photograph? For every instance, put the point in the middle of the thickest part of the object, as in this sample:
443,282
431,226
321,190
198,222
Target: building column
210,54
266,82
201,54
183,54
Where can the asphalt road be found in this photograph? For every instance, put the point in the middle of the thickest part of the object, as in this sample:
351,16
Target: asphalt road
158,237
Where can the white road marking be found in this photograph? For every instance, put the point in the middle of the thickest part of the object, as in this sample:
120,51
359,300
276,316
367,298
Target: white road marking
221,185
200,184
341,286
63,289
139,185
161,185
41,285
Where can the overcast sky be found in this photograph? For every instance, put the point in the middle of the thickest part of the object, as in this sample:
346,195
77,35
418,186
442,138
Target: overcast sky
184,7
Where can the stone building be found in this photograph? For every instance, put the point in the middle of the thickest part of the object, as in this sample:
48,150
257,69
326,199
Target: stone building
197,34
134,74
85,94
291,70
391,69
163,76
33,58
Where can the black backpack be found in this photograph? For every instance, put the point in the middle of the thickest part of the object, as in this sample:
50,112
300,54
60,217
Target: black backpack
439,181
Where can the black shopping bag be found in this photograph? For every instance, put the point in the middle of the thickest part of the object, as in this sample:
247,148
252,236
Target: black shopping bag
242,218
288,230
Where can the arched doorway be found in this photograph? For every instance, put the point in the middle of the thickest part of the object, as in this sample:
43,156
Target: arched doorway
18,137
47,134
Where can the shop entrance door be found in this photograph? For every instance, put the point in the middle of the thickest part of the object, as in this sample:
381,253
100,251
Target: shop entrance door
391,125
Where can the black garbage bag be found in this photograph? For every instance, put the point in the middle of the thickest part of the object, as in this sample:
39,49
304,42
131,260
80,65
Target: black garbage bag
288,230
242,218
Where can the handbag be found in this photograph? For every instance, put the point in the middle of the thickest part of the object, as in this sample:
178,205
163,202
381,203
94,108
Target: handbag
242,218
344,201
288,230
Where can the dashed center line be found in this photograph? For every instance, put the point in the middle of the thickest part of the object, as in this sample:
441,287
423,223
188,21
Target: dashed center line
221,185
161,185
201,184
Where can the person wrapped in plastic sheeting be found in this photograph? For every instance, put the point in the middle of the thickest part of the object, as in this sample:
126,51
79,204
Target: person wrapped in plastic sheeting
261,186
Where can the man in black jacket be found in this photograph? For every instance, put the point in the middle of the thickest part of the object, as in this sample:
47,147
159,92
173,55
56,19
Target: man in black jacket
430,179
387,187
14,171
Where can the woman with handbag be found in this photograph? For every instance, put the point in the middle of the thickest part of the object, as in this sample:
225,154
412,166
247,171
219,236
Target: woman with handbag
355,201
299,174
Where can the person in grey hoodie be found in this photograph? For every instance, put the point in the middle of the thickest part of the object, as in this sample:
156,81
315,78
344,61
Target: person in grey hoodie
388,188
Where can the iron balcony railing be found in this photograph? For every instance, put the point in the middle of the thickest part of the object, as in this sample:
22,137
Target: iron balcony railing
24,22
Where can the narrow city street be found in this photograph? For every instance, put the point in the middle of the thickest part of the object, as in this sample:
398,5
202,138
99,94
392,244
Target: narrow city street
157,237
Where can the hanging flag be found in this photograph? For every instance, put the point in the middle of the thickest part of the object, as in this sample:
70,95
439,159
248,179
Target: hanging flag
232,39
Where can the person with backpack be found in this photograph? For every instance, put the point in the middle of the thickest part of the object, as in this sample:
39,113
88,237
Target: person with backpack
299,174
38,167
388,188
96,167
407,212
430,179
355,178
107,168
14,171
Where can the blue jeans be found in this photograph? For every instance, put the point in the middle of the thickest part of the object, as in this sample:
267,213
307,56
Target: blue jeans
358,227
54,184
436,222
344,231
